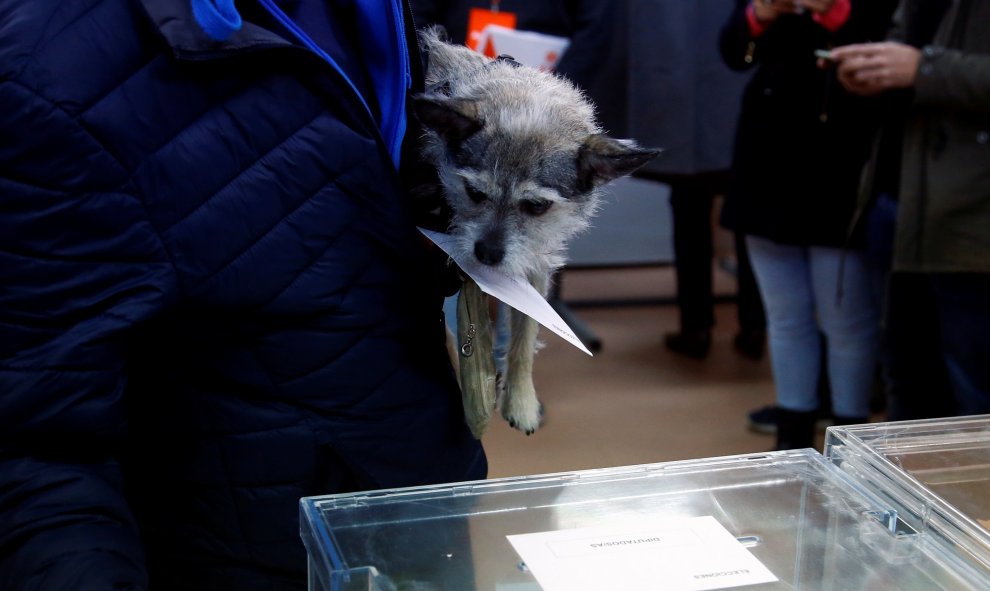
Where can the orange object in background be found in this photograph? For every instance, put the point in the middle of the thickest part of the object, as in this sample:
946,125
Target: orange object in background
479,18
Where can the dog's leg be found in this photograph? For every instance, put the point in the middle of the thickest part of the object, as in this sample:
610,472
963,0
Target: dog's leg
520,406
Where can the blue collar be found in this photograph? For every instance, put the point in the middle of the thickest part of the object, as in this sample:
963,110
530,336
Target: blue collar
383,43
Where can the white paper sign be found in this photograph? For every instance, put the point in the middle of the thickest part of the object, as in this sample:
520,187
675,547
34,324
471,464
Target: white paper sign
678,554
514,292
536,50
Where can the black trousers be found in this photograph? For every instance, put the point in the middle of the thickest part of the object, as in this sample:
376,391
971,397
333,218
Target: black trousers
937,345
692,200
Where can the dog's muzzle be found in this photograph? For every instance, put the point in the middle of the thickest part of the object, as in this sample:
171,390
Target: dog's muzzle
489,252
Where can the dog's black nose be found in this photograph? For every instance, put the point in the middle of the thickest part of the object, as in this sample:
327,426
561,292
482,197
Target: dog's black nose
487,253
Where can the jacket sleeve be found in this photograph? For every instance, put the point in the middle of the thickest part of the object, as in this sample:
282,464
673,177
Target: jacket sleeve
736,43
79,268
953,79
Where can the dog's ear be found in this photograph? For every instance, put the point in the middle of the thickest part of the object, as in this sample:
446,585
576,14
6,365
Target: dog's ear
454,120
602,159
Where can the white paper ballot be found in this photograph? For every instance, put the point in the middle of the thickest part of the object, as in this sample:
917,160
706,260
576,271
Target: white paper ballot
514,292
677,554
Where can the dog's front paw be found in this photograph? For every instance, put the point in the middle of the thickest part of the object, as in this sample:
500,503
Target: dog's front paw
522,409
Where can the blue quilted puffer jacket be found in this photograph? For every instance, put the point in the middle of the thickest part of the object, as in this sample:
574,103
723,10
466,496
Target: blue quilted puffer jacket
213,301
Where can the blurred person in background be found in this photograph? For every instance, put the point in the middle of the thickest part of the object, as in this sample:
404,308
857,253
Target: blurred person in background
213,296
937,63
587,24
683,98
801,143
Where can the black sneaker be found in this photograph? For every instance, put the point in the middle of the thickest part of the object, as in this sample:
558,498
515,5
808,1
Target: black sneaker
693,344
764,420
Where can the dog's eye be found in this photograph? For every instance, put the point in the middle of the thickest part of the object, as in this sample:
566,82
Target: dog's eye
475,195
534,206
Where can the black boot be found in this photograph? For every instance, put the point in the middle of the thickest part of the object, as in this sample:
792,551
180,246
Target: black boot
795,430
690,343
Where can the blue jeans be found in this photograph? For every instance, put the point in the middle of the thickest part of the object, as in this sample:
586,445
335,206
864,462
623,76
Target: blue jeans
800,289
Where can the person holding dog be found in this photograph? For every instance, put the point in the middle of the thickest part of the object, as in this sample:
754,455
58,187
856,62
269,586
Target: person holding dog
938,58
801,144
213,296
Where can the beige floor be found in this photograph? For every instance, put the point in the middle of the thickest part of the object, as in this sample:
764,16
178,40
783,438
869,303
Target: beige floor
634,402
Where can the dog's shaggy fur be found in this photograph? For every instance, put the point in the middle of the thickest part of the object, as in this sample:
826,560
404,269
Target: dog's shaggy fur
521,160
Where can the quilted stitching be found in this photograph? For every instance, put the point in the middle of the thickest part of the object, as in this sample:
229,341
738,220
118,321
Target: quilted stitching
244,308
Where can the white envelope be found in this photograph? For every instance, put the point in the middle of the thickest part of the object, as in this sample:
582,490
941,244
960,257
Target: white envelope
511,290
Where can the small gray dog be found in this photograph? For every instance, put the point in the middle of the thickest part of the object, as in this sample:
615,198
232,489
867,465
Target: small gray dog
520,160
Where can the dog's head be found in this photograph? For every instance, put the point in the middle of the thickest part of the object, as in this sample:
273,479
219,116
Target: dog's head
519,154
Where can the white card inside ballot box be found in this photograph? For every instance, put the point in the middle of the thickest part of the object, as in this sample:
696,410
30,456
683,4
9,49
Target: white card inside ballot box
682,554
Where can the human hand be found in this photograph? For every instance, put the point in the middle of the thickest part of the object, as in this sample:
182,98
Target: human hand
819,6
767,11
872,68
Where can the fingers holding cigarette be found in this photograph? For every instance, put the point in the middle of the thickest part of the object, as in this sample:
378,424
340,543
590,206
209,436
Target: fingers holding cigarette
872,68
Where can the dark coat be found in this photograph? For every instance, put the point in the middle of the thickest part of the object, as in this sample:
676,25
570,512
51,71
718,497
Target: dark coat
213,301
802,140
682,97
943,220
587,23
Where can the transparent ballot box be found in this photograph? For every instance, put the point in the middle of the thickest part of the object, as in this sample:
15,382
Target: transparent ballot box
934,473
781,520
